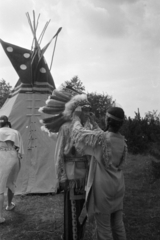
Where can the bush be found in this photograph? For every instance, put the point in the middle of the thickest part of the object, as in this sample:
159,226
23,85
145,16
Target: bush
142,134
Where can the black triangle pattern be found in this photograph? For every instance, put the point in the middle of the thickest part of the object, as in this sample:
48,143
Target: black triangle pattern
34,75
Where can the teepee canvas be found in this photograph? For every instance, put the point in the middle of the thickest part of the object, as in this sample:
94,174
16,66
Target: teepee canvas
35,84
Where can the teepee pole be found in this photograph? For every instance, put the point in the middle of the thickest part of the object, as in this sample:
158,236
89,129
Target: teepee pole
36,43
36,27
37,21
34,24
33,29
53,52
30,24
55,47
43,32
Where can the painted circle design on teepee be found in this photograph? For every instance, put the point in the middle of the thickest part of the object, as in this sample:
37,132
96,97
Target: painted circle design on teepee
42,70
26,55
9,49
23,67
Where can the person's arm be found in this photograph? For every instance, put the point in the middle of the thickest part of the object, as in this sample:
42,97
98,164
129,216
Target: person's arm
95,125
19,145
59,156
53,136
124,157
87,142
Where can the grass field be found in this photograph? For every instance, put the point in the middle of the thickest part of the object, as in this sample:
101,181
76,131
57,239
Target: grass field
40,217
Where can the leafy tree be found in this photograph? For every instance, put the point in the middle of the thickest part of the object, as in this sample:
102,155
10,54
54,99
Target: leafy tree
143,134
153,117
76,83
100,104
134,132
5,89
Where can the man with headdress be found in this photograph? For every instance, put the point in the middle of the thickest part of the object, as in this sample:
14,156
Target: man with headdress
105,187
71,167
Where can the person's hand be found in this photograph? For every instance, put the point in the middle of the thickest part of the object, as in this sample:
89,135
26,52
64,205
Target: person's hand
63,185
92,117
19,156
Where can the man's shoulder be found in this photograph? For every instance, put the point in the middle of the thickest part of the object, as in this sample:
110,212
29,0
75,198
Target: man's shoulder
9,131
65,127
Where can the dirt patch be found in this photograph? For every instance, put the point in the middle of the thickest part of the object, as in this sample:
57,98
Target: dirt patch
40,217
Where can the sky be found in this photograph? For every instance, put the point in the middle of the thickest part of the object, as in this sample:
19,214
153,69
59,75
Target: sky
113,46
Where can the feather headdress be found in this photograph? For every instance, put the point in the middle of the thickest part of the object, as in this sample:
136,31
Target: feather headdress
60,106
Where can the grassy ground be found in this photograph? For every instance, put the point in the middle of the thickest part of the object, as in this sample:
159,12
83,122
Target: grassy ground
142,200
40,217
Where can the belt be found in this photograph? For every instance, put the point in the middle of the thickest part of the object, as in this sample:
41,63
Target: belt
75,159
6,149
76,197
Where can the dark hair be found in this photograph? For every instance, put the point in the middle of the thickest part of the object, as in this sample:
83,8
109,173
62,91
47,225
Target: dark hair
116,125
4,121
116,113
115,118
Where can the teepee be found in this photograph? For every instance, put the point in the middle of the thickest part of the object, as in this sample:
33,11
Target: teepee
35,84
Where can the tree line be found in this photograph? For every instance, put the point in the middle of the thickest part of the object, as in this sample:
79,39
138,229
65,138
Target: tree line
5,89
142,134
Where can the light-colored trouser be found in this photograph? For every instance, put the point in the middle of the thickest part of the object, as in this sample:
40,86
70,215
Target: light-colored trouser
110,226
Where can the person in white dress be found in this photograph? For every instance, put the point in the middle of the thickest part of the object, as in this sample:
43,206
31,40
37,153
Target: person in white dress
11,151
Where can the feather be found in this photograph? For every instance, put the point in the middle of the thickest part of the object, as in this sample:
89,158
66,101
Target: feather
68,90
60,105
55,125
57,98
51,110
44,129
62,95
78,100
52,102
40,109
50,119
50,134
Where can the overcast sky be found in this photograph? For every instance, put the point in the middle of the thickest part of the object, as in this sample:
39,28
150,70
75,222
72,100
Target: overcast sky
113,46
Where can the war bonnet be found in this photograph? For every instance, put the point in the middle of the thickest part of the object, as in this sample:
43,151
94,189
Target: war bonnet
60,106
